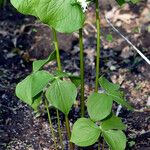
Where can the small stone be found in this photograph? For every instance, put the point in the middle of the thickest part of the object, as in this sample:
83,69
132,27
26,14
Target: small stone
10,55
112,68
148,102
126,52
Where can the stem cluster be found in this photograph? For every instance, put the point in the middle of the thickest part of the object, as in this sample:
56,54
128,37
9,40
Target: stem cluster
81,70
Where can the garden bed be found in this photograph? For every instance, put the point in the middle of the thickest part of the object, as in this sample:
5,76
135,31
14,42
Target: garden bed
22,40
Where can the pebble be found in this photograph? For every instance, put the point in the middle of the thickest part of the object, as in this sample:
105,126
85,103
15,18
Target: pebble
148,102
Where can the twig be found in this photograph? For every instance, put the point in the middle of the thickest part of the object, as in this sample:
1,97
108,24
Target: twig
135,48
118,110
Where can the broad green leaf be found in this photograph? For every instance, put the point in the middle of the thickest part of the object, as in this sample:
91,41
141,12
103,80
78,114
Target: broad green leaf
62,94
113,122
108,86
36,102
64,15
113,90
120,100
85,132
99,106
23,90
38,64
116,139
75,79
32,85
25,6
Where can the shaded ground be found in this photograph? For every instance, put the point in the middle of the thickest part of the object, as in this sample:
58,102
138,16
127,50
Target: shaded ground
22,40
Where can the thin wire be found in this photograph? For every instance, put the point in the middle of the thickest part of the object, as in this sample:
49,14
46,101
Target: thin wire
125,38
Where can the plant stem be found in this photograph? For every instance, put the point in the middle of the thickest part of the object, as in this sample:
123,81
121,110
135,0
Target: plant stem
97,51
57,49
69,132
50,123
59,68
5,2
98,46
98,145
82,72
59,130
103,144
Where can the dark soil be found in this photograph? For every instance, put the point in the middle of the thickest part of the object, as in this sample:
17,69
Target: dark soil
23,39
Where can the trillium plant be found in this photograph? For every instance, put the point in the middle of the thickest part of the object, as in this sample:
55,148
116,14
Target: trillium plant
59,89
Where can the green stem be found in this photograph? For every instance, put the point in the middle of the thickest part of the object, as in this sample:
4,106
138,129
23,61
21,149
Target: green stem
59,68
59,130
97,51
82,72
98,46
2,3
103,145
50,123
57,49
5,2
98,145
69,132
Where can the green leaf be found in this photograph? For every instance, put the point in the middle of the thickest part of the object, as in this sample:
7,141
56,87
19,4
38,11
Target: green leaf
121,2
85,132
62,94
36,102
32,85
99,106
75,79
109,37
64,15
38,64
61,74
108,86
25,6
131,143
116,139
135,1
120,100
114,91
113,122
